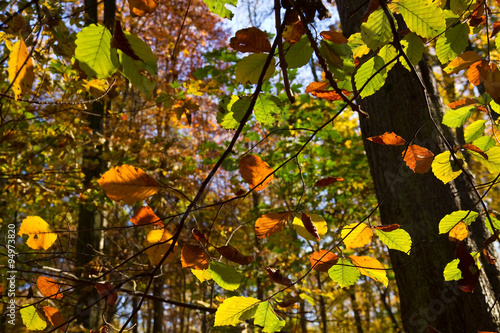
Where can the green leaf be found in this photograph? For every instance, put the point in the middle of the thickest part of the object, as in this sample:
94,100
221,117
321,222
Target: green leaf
414,49
132,71
397,239
423,17
484,142
266,317
494,220
299,54
234,310
452,43
31,319
493,162
451,271
364,76
388,53
495,106
460,6
474,130
94,52
265,108
344,273
449,221
458,117
218,7
445,169
376,32
249,68
224,275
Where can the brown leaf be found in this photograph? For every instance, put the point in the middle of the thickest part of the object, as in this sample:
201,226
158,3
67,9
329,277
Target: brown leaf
250,40
199,236
194,256
463,102
316,86
269,224
492,83
323,260
327,181
294,32
468,267
495,29
288,301
419,159
49,287
489,258
275,276
478,72
146,216
476,149
330,95
373,6
254,170
142,7
55,317
106,290
463,61
334,37
231,253
121,42
387,228
390,139
310,226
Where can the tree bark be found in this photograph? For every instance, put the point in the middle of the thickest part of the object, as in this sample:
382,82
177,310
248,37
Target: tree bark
419,202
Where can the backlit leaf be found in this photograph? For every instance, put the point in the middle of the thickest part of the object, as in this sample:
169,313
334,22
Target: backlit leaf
249,68
376,31
328,181
316,86
266,317
452,43
199,236
344,273
370,76
275,276
146,216
493,161
269,224
55,317
230,311
107,291
474,130
451,220
463,102
484,143
254,170
142,7
413,47
388,227
40,235
330,95
444,169
463,61
390,139
299,53
156,252
475,149
458,117
370,267
250,40
266,108
489,258
423,17
317,221
128,183
49,287
31,319
218,7
478,72
202,275
233,254
419,159
494,221
194,256
356,235
459,232
334,37
20,69
119,41
451,271
224,275
397,239
323,260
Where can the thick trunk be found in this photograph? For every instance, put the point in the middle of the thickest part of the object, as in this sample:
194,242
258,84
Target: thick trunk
418,202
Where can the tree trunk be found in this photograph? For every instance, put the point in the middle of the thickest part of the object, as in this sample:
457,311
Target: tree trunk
419,202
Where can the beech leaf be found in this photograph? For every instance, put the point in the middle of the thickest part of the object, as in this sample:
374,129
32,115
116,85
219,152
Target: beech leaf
463,61
224,275
356,235
419,159
316,86
106,290
55,317
142,7
271,223
254,170
396,239
459,232
317,226
327,181
119,41
370,267
146,216
344,273
156,252
463,102
390,139
31,319
194,256
468,267
387,228
230,311
275,276
233,254
250,40
39,232
323,260
49,287
334,37
20,69
199,236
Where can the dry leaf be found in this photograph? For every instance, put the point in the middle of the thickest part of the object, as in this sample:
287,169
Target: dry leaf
121,42
316,86
250,40
489,258
199,236
334,37
194,256
156,252
387,228
323,260
463,61
463,102
390,139
288,301
327,181
275,276
476,149
231,253
107,291
20,69
293,32
142,7
55,317
492,83
495,29
254,170
269,224
478,72
39,232
146,216
419,159
128,183
310,226
49,287
330,95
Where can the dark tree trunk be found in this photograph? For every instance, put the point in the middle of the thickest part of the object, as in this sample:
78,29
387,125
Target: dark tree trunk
418,202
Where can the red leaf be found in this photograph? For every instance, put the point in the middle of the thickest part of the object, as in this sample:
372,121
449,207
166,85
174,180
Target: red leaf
468,267
199,236
476,149
478,72
327,181
310,226
390,139
269,224
275,276
316,86
387,228
330,95
323,260
288,302
107,291
463,102
495,29
419,159
231,253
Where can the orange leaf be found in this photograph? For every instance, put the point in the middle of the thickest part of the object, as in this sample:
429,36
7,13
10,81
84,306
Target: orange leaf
478,72
199,236
49,287
128,183
106,290
463,102
250,40
419,159
55,317
145,216
310,226
330,95
459,232
254,170
327,181
323,260
463,61
293,32
275,276
316,86
387,228
231,253
489,258
495,29
334,37
476,149
142,7
269,224
121,42
193,256
390,139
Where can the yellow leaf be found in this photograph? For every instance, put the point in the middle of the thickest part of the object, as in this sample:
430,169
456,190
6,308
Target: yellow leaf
156,252
318,221
370,267
202,274
49,287
271,223
356,235
254,170
232,310
20,69
32,319
459,232
128,183
40,235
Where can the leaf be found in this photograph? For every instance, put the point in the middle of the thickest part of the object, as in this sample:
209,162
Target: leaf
230,311
463,102
38,231
316,86
202,275
451,220
463,61
94,52
299,53
478,72
334,37
233,254
376,31
370,76
344,273
423,17
370,267
493,162
387,228
484,143
250,40
266,317
142,7
475,149
468,267
156,252
494,221
488,257
194,256
314,221
119,41
249,68
419,159
452,43
275,276
199,236
269,224
459,232
55,317
323,260
356,235
49,287
390,139
254,171
224,275
444,169
265,109
474,130
218,7
330,95
397,239
128,183
413,47
288,301
146,216
458,117
107,291
31,319
451,271
328,181
20,69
